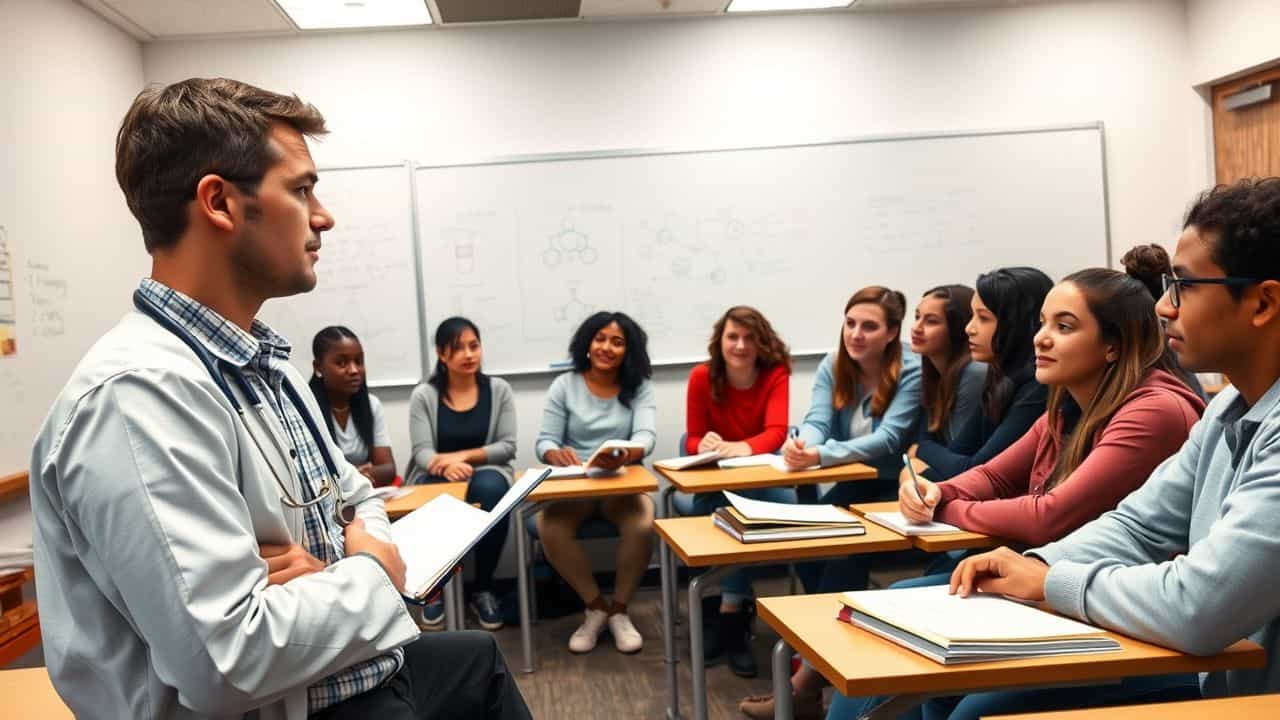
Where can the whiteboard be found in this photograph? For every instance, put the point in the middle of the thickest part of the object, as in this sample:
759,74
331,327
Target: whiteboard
527,247
366,278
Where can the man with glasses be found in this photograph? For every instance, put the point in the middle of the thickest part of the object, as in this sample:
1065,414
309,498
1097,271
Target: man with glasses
1188,560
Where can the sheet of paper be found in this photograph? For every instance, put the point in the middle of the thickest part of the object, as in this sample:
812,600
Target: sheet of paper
578,471
977,618
688,461
899,524
432,538
391,492
763,510
748,461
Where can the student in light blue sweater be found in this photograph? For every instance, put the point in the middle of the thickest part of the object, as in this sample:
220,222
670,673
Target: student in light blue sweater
607,396
1187,560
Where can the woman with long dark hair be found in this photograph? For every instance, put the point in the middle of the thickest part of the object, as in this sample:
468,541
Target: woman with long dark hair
462,424
354,415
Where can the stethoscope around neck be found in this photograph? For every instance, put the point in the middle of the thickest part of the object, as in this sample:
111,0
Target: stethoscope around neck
219,370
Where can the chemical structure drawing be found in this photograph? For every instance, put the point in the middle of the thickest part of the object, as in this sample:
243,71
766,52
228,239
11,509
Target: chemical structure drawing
463,242
569,244
571,310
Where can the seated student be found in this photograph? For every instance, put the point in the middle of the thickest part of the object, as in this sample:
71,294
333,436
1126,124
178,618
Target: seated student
196,550
1187,559
1004,319
1115,413
607,396
951,380
737,405
462,424
866,398
353,413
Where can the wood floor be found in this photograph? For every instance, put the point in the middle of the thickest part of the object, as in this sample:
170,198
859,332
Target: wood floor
608,684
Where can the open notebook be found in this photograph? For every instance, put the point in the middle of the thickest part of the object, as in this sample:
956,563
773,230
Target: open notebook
899,524
588,468
434,538
951,630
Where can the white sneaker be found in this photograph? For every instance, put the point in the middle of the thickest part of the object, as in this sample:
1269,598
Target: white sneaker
584,638
625,636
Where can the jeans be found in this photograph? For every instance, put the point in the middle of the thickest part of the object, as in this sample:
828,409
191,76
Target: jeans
486,488
735,586
1129,691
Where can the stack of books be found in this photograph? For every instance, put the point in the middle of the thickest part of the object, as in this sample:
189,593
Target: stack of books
754,521
953,630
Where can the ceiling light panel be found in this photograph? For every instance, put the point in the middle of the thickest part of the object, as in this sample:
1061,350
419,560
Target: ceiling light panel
783,5
333,14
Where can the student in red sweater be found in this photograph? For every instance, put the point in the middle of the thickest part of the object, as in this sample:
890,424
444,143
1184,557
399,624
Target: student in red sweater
1116,410
737,405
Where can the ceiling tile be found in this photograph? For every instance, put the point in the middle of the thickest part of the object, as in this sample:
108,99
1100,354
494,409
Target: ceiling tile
465,11
163,18
634,8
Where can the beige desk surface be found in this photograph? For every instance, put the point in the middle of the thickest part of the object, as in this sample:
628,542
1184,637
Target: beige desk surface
635,479
28,693
962,540
421,495
1253,707
699,543
861,664
712,478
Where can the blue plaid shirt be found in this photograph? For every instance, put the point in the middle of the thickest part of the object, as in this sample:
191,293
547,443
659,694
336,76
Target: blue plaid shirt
261,355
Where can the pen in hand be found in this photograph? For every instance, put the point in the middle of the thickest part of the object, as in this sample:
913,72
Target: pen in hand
915,480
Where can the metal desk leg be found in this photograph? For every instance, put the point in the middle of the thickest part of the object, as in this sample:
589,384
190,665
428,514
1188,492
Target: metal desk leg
451,609
781,681
665,559
697,665
460,599
522,589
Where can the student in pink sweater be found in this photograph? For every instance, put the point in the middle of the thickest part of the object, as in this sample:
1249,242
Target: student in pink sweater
1116,410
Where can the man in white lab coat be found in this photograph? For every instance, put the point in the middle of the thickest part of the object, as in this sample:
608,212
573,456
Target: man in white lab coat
190,558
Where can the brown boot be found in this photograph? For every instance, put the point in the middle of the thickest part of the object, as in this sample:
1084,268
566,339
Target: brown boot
804,707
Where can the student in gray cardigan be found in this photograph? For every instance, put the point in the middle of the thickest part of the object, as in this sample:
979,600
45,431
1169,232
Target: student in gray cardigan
462,424
1187,560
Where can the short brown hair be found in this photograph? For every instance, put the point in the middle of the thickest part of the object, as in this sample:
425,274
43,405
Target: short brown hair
174,135
771,351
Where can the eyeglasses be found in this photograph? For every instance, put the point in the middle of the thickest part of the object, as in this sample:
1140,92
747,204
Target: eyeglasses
1171,283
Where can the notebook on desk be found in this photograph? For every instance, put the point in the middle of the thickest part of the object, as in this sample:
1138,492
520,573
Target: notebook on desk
749,521
590,467
953,630
899,524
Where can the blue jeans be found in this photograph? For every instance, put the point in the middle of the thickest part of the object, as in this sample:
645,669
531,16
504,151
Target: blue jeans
852,572
735,586
1129,691
485,488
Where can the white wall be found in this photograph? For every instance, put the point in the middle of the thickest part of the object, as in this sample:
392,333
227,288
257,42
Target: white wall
479,92
1229,37
66,79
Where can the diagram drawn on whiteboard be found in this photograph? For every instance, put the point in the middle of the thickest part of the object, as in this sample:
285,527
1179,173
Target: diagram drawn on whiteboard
463,242
8,300
569,244
571,310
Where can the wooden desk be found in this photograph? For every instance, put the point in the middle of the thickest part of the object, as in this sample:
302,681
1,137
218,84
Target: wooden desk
1253,707
28,693
860,664
699,543
962,540
634,480
420,495
712,478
